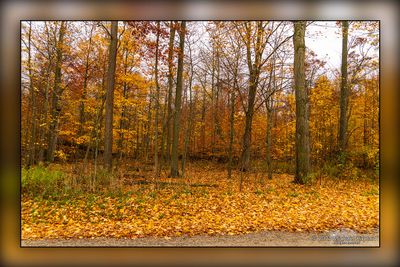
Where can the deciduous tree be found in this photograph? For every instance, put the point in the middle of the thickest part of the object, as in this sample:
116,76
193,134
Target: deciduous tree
178,100
112,58
302,128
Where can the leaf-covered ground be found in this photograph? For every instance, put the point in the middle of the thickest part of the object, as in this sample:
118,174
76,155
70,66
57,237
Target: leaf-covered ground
192,208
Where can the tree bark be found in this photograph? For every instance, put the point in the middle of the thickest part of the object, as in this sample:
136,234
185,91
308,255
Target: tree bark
203,118
148,129
343,91
218,129
84,89
247,129
231,130
213,106
178,99
170,88
112,58
32,145
164,131
302,127
156,163
268,105
55,100
122,122
191,115
254,71
44,130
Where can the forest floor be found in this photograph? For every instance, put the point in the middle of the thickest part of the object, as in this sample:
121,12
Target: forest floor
207,209
335,238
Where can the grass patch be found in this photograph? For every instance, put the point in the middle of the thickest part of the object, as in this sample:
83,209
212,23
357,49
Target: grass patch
42,181
293,194
372,192
258,192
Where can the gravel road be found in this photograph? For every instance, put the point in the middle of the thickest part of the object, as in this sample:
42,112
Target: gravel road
335,238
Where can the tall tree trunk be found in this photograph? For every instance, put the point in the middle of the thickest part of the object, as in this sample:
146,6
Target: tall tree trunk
32,141
268,105
57,91
112,59
172,30
178,99
99,118
213,107
248,127
365,126
122,122
44,118
84,89
218,129
231,130
191,115
156,163
148,128
137,151
44,130
302,127
254,71
203,119
96,131
343,91
164,131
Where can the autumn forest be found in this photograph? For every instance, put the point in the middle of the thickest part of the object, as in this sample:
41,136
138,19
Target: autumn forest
179,128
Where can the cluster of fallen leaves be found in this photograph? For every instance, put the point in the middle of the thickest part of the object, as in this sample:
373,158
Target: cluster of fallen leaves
175,210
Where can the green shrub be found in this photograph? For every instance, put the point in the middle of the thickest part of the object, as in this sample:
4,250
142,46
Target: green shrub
153,194
349,171
331,169
372,192
187,191
102,177
365,156
376,167
42,181
293,194
283,167
340,169
312,177
258,192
